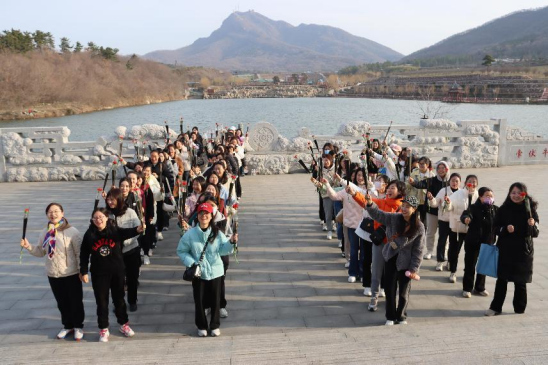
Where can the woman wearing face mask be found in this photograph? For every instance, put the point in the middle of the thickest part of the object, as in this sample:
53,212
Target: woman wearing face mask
125,217
422,173
207,288
459,202
479,219
440,204
403,254
61,243
516,226
103,243
391,203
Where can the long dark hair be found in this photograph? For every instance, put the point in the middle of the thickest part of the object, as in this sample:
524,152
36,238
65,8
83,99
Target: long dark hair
121,206
414,222
212,225
521,186
105,212
400,185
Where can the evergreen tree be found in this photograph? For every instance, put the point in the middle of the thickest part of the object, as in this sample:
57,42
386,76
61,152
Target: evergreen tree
43,41
92,47
488,60
16,41
78,48
65,45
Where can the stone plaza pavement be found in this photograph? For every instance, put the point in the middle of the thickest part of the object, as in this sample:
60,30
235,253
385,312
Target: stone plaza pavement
288,299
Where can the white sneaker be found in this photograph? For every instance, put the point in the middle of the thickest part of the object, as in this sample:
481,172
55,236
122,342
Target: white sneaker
343,254
63,333
428,256
334,229
78,334
322,222
104,335
367,292
382,293
329,235
159,236
439,266
340,244
324,228
146,260
453,278
216,332
466,294
223,312
347,265
484,293
351,279
402,322
126,330
389,323
202,333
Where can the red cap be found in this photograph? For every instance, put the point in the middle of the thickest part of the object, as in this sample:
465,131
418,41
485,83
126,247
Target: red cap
205,207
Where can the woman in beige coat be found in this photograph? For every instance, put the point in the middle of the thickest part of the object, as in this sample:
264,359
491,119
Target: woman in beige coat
61,242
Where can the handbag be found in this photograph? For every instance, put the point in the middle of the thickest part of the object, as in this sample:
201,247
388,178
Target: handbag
368,225
488,260
169,201
378,235
190,273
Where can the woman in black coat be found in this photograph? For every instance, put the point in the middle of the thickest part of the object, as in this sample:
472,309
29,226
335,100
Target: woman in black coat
516,225
480,219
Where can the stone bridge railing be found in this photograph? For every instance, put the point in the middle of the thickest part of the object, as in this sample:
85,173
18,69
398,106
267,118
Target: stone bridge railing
46,154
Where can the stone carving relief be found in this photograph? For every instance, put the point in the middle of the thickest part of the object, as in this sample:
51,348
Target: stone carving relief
263,137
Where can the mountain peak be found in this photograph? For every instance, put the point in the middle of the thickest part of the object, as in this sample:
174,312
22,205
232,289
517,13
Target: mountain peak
251,41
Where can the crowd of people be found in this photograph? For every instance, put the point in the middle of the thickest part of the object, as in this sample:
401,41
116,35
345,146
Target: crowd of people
388,208
386,211
195,180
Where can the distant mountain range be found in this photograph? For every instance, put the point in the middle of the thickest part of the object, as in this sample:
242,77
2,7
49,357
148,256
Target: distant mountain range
516,35
252,42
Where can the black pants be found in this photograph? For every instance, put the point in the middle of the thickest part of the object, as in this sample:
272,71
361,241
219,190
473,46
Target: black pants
443,234
132,261
471,253
146,240
367,260
455,244
226,262
393,279
161,216
238,186
322,213
207,294
69,296
114,283
422,214
520,296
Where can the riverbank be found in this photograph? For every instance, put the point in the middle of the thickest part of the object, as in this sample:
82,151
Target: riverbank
64,109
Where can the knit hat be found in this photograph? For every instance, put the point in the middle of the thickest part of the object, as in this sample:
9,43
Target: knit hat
412,201
395,147
445,163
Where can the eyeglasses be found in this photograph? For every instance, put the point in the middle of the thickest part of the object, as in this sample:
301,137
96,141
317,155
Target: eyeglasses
98,219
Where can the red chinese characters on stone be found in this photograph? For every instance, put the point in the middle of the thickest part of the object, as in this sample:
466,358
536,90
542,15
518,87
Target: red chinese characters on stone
545,152
519,153
533,153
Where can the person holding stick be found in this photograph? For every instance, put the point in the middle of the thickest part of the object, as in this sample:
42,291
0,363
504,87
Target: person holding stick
516,224
403,254
61,243
206,238
102,243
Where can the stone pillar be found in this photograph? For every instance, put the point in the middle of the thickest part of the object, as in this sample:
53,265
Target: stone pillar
3,176
502,158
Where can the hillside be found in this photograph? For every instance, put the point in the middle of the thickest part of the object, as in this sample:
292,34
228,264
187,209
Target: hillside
522,34
251,41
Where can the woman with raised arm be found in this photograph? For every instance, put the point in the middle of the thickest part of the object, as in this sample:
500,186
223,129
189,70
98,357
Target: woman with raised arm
61,243
403,254
516,224
102,243
206,287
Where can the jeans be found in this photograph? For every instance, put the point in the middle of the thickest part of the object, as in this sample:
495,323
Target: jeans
69,297
455,244
395,278
471,253
432,226
442,240
337,206
357,252
520,296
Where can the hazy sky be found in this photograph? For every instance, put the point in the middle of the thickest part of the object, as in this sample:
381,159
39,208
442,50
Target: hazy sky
138,26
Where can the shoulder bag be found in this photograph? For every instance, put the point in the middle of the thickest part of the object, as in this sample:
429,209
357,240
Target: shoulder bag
191,273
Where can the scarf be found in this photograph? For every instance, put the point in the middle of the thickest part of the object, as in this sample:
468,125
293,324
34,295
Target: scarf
49,240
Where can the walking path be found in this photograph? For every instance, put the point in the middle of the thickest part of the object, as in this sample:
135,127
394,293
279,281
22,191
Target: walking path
288,299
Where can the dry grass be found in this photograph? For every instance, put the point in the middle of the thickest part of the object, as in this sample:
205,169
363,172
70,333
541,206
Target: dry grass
42,78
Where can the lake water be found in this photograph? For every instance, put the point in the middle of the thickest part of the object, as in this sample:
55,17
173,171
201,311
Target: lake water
321,115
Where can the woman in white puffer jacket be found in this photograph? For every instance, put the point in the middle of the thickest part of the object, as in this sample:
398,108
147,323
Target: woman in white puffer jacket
457,204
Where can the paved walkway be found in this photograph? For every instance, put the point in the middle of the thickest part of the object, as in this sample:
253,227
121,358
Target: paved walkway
288,298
